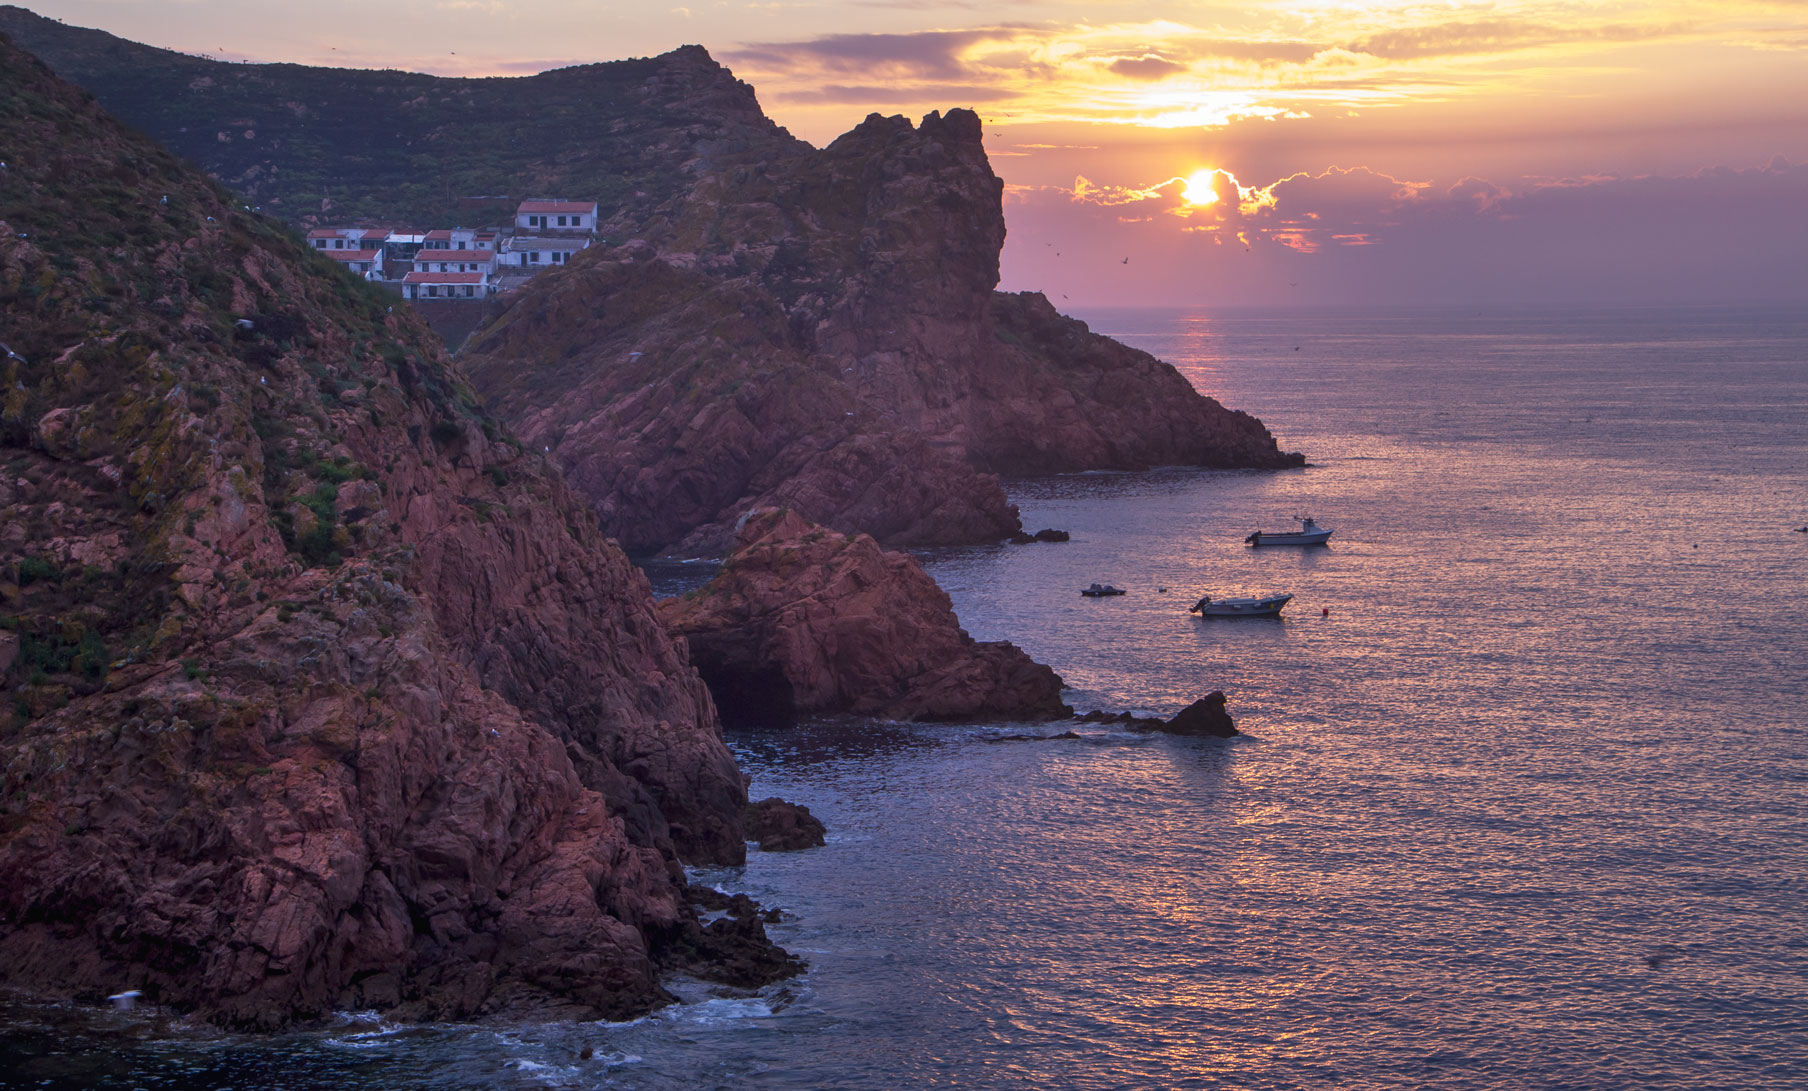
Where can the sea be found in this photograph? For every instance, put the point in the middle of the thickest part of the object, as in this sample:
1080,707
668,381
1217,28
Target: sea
1521,799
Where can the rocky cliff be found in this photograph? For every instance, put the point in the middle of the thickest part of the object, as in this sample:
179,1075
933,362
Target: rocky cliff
319,690
820,329
804,620
772,324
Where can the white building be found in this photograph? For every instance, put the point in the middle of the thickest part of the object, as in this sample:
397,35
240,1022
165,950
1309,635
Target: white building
532,252
455,261
366,263
459,238
347,238
419,285
556,216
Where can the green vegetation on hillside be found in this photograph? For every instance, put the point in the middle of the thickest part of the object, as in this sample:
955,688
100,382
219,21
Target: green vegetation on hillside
340,145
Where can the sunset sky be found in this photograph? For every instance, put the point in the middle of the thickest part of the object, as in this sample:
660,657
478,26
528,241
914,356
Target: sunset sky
1313,151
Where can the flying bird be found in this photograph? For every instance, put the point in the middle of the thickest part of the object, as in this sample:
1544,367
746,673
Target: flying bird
1126,261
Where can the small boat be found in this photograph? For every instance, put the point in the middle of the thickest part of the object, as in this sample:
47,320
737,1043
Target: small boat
1309,533
1101,590
1259,606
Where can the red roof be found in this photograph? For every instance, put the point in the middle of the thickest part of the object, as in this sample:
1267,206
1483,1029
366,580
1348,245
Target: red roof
557,206
442,233
376,233
456,255
443,278
350,255
324,233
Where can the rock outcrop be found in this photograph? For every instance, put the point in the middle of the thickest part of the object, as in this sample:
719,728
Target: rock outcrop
819,329
779,826
1204,718
322,692
803,619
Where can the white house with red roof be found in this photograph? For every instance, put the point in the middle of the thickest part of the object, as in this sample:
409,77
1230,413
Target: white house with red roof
366,263
348,238
556,216
423,285
455,261
459,238
536,252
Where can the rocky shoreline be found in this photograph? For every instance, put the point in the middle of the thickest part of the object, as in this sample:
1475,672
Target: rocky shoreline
324,691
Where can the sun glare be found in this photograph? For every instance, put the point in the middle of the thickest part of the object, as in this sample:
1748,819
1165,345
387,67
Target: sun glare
1200,189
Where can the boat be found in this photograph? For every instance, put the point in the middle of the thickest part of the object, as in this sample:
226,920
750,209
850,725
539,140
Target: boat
1257,606
1101,590
1309,533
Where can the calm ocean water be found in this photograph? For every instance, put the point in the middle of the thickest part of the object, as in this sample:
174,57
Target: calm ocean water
1528,809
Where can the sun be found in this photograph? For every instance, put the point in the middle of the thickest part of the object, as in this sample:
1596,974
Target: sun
1201,188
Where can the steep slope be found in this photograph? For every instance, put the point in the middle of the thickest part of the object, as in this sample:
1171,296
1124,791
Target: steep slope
343,144
319,690
864,275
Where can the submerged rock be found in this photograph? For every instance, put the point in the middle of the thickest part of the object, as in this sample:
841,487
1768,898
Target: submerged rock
802,619
1205,717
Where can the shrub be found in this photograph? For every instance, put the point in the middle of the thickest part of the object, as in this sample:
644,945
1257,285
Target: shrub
38,570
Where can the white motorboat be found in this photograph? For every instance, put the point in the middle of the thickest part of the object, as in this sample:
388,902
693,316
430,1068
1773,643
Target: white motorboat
1309,533
1258,606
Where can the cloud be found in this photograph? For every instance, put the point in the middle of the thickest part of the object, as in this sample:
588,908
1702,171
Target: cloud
1498,36
1356,234
933,54
1146,67
1162,73
904,92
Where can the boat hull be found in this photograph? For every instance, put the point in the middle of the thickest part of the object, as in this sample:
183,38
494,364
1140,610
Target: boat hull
1284,538
1263,607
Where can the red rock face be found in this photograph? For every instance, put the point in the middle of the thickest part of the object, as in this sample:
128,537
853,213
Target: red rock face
819,329
802,619
319,690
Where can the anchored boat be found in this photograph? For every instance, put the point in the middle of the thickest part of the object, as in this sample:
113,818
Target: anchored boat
1258,606
1309,533
1101,590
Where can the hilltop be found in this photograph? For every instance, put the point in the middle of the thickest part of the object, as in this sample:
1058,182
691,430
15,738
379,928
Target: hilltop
317,689
347,145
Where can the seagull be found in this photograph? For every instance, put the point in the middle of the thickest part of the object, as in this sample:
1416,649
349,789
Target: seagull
1126,261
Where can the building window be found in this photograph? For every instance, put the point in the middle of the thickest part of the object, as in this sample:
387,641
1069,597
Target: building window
432,289
470,291
533,256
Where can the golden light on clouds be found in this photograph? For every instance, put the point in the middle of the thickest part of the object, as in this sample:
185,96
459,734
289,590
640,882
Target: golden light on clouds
1201,188
1253,62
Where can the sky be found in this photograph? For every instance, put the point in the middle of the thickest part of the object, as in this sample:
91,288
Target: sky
1250,154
